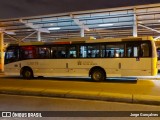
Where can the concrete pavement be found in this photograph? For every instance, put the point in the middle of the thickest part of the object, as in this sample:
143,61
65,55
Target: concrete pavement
141,91
1,73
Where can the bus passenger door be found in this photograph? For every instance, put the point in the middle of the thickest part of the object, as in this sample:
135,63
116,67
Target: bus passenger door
136,62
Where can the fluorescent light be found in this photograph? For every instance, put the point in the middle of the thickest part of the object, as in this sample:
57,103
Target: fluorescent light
54,28
105,25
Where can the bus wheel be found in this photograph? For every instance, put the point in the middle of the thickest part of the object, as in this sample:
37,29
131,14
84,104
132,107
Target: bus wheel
98,75
27,73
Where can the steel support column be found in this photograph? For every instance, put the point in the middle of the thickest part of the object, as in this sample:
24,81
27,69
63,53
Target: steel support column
82,32
39,36
134,24
1,52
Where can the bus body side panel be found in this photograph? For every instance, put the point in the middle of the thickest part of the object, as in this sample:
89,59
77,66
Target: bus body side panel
77,67
64,67
48,67
136,67
154,65
12,68
81,67
71,67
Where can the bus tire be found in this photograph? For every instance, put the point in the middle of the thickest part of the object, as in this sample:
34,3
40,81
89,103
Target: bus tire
98,75
27,73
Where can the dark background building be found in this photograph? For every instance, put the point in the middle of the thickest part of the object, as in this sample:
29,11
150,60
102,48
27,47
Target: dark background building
23,8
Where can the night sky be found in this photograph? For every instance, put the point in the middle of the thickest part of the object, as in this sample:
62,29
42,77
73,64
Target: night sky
24,8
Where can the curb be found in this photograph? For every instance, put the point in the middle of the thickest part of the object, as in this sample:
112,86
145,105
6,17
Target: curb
146,99
1,73
116,97
102,96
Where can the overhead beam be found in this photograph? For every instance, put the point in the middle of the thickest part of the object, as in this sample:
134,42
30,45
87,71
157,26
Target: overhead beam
149,28
79,23
157,38
35,27
7,32
13,38
28,36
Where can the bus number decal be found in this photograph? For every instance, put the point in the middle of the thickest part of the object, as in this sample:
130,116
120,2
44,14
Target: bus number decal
32,63
86,63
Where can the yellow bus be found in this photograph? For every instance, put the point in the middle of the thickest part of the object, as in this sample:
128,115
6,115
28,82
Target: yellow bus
96,58
158,54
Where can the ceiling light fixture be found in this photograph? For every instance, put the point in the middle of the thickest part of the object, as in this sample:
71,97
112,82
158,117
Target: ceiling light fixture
101,25
54,28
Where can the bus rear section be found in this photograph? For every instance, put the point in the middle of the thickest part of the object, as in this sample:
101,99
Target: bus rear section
141,59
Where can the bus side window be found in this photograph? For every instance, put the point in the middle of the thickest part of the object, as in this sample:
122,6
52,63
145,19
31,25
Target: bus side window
145,49
83,51
134,50
28,52
11,55
71,56
109,54
103,52
72,52
44,52
61,53
115,50
93,51
131,53
89,55
158,53
54,52
120,54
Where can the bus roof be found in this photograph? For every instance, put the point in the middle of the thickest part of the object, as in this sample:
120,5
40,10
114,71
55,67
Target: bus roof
121,39
86,40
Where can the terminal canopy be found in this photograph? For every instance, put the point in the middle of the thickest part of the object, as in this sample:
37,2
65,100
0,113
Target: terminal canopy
103,23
